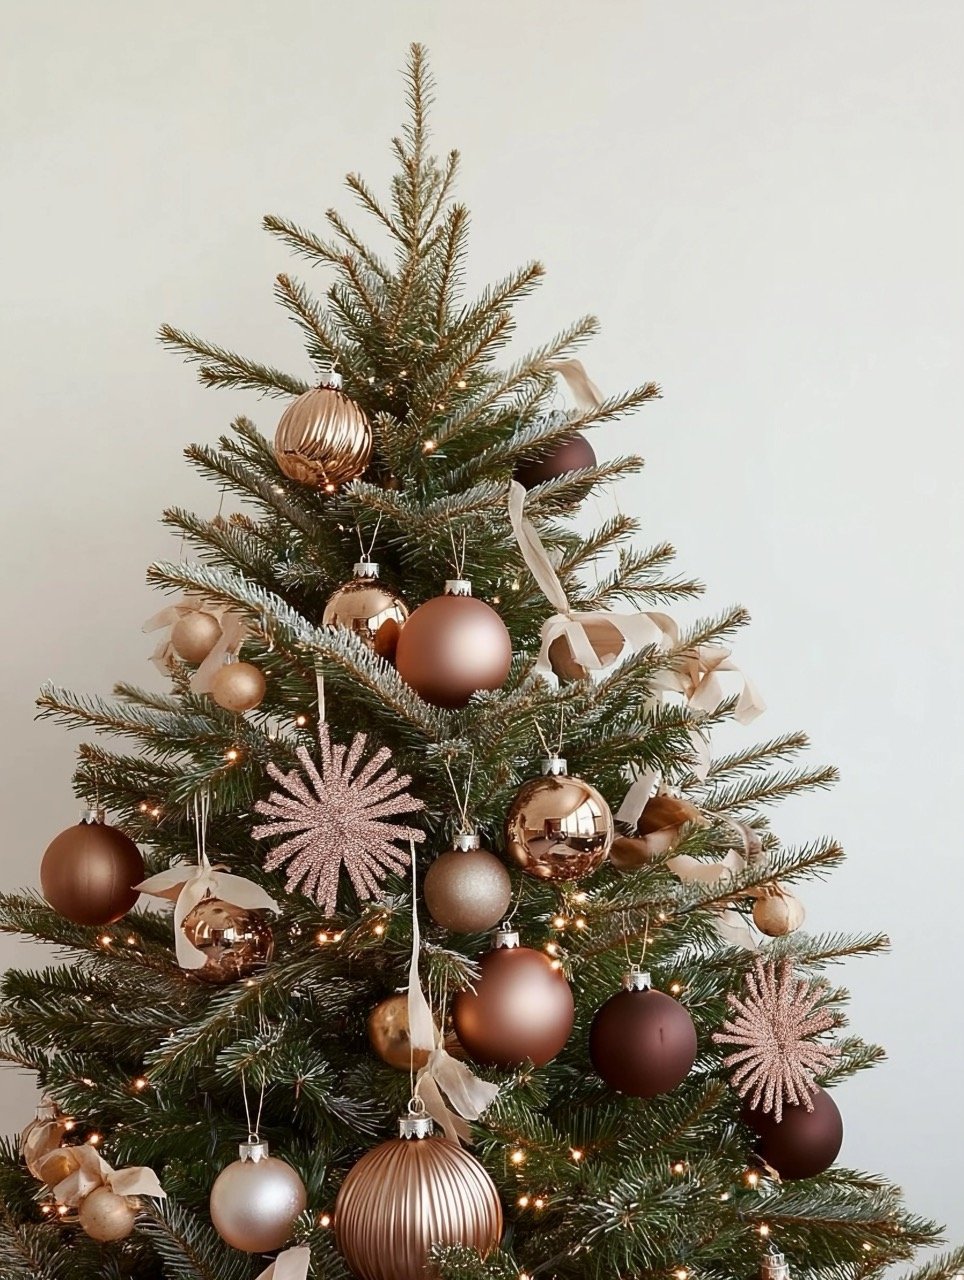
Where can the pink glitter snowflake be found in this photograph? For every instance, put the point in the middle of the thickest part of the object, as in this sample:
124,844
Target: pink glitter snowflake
334,817
777,1060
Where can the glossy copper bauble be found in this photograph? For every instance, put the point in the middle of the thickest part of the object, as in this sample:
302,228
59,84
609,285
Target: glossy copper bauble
323,439
467,889
88,872
452,646
642,1042
369,609
235,941
558,827
389,1035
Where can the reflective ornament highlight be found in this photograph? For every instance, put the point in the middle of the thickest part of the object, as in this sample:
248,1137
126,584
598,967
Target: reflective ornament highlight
236,942
452,646
369,609
558,827
88,871
256,1200
323,439
467,889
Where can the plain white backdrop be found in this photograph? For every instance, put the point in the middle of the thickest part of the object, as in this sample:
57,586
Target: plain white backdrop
763,202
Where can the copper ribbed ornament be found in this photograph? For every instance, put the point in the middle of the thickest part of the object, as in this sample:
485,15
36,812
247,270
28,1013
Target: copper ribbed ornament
256,1200
558,827
369,609
88,871
236,941
467,889
642,1042
452,646
411,1193
520,1009
323,439
238,686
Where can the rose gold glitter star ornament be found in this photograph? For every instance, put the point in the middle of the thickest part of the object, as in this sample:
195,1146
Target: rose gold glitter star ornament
340,814
776,1060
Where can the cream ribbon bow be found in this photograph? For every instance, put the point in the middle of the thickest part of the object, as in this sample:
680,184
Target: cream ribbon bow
91,1171
442,1074
584,391
291,1265
234,628
187,886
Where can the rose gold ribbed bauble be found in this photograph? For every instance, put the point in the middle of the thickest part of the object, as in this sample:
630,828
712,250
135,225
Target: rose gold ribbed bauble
407,1195
606,640
195,635
521,1008
642,1042
570,454
369,609
558,827
88,872
467,889
452,646
236,942
238,686
323,439
105,1216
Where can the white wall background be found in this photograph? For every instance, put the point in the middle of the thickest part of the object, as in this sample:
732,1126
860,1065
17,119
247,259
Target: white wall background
764,204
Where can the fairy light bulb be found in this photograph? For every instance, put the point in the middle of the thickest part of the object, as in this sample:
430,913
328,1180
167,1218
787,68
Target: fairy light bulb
301,721
752,1178
523,1202
559,922
518,1156
576,1154
324,1220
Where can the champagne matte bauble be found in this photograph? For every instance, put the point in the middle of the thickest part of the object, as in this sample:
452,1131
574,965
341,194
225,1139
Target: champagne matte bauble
605,639
411,1193
323,439
256,1200
105,1216
467,889
236,941
238,686
572,453
642,1042
558,827
369,609
521,1007
777,912
88,872
452,646
194,635
804,1143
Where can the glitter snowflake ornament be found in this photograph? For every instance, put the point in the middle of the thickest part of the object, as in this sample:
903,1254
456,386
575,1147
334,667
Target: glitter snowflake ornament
338,815
776,1061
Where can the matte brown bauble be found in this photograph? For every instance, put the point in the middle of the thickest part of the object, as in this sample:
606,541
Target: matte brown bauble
105,1216
195,635
452,646
606,640
642,1042
323,439
89,871
657,832
467,889
369,609
411,1193
235,941
558,827
238,686
390,1037
804,1143
255,1201
521,1008
570,454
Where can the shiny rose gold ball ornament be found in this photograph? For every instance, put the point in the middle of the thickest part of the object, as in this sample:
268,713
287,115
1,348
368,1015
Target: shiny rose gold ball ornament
452,646
236,941
195,635
88,871
256,1200
389,1035
642,1042
411,1193
323,439
105,1216
467,889
520,1009
558,827
238,686
606,641
369,609
777,912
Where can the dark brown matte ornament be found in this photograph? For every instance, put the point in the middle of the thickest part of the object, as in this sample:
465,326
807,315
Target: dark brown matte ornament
804,1143
452,646
558,827
642,1042
521,1008
88,872
573,453
323,439
236,941
411,1193
607,643
467,889
369,609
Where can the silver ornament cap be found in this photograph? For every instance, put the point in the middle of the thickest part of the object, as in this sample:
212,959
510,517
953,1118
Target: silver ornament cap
94,814
555,767
330,378
365,568
458,587
466,841
415,1125
505,937
637,979
254,1149
774,1267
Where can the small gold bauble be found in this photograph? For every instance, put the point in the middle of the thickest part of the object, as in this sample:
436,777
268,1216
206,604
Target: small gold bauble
778,912
195,635
606,640
323,438
238,686
106,1217
558,827
236,942
43,1135
369,609
389,1034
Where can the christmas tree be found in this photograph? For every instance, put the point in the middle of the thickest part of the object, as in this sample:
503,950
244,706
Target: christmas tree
445,839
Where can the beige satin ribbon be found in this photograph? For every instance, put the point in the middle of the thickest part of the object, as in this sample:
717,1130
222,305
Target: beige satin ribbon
584,391
91,1171
293,1264
442,1076
36,1146
234,629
